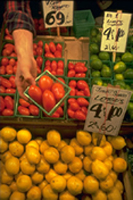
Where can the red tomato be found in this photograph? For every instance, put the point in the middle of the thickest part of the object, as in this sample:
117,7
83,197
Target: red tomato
2,104
61,79
7,112
80,75
35,93
60,64
9,102
59,47
13,54
4,52
73,91
39,61
45,82
80,93
72,83
52,47
53,72
38,70
8,45
82,101
47,63
57,54
55,115
12,80
84,110
49,55
80,115
4,61
81,84
54,65
1,79
47,68
34,46
14,69
48,100
2,70
39,51
71,66
34,110
12,62
71,73
2,89
10,90
70,113
79,69
74,106
46,48
23,111
60,111
71,100
23,102
60,72
40,43
6,83
9,69
87,92
34,53
58,91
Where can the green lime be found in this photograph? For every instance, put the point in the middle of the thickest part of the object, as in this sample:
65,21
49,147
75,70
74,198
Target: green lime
95,73
93,57
94,32
105,84
98,37
128,74
120,83
127,57
106,71
119,77
94,48
94,39
103,55
118,59
119,67
97,81
127,87
96,64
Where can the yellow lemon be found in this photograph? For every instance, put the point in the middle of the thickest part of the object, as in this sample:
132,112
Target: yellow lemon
114,175
98,153
37,177
5,192
5,177
67,154
119,165
8,133
18,175
77,147
5,156
53,138
99,195
48,193
33,155
76,165
24,183
16,195
58,183
99,169
66,195
39,140
24,136
119,186
107,184
12,165
88,149
67,175
114,194
87,162
108,148
51,155
44,145
108,163
51,173
61,145
74,185
16,148
83,138
111,158
42,184
34,193
81,174
26,167
95,138
43,166
22,157
3,145
118,142
91,184
13,186
33,143
60,167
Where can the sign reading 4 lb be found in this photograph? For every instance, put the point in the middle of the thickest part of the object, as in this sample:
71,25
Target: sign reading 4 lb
58,13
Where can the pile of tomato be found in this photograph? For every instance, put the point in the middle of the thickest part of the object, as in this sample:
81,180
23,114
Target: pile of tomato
55,67
77,69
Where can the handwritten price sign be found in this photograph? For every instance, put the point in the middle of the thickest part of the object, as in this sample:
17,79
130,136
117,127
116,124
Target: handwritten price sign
106,110
115,31
58,13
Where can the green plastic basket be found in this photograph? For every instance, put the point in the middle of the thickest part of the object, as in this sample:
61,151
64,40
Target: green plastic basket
55,79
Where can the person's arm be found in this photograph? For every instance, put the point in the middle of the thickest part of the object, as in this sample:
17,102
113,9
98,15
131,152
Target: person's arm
20,24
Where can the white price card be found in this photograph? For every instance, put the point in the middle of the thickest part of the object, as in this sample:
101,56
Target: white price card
58,13
115,31
106,109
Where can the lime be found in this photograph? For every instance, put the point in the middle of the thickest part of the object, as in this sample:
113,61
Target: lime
119,77
95,73
94,48
118,59
94,32
103,55
94,39
127,57
97,81
106,71
94,56
96,64
120,83
98,37
128,74
127,87
119,67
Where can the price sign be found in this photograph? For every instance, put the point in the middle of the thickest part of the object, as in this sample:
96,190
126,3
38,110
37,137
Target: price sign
58,13
106,110
115,31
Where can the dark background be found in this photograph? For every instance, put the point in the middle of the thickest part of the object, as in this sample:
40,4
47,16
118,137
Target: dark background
36,8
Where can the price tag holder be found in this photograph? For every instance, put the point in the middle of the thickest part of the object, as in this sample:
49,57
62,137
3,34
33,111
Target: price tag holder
106,109
115,31
58,13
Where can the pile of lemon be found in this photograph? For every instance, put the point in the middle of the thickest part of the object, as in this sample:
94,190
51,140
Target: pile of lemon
54,168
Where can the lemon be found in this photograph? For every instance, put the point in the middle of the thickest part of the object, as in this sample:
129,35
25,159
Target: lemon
107,184
99,169
37,177
33,143
33,155
39,140
119,165
118,142
26,167
3,145
43,166
61,145
16,195
95,137
114,194
88,149
5,177
24,183
77,147
114,175
24,136
67,175
51,173
74,185
119,186
91,184
5,156
34,193
60,167
53,138
58,183
48,193
5,192
8,134
65,195
13,186
108,163
83,138
44,145
51,155
99,195
12,165
16,148
87,162
108,148
42,184
98,153
81,174
75,165
67,154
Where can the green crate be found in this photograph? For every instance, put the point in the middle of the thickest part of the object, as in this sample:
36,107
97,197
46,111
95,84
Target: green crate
17,114
13,96
74,62
55,79
62,44
7,77
56,59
